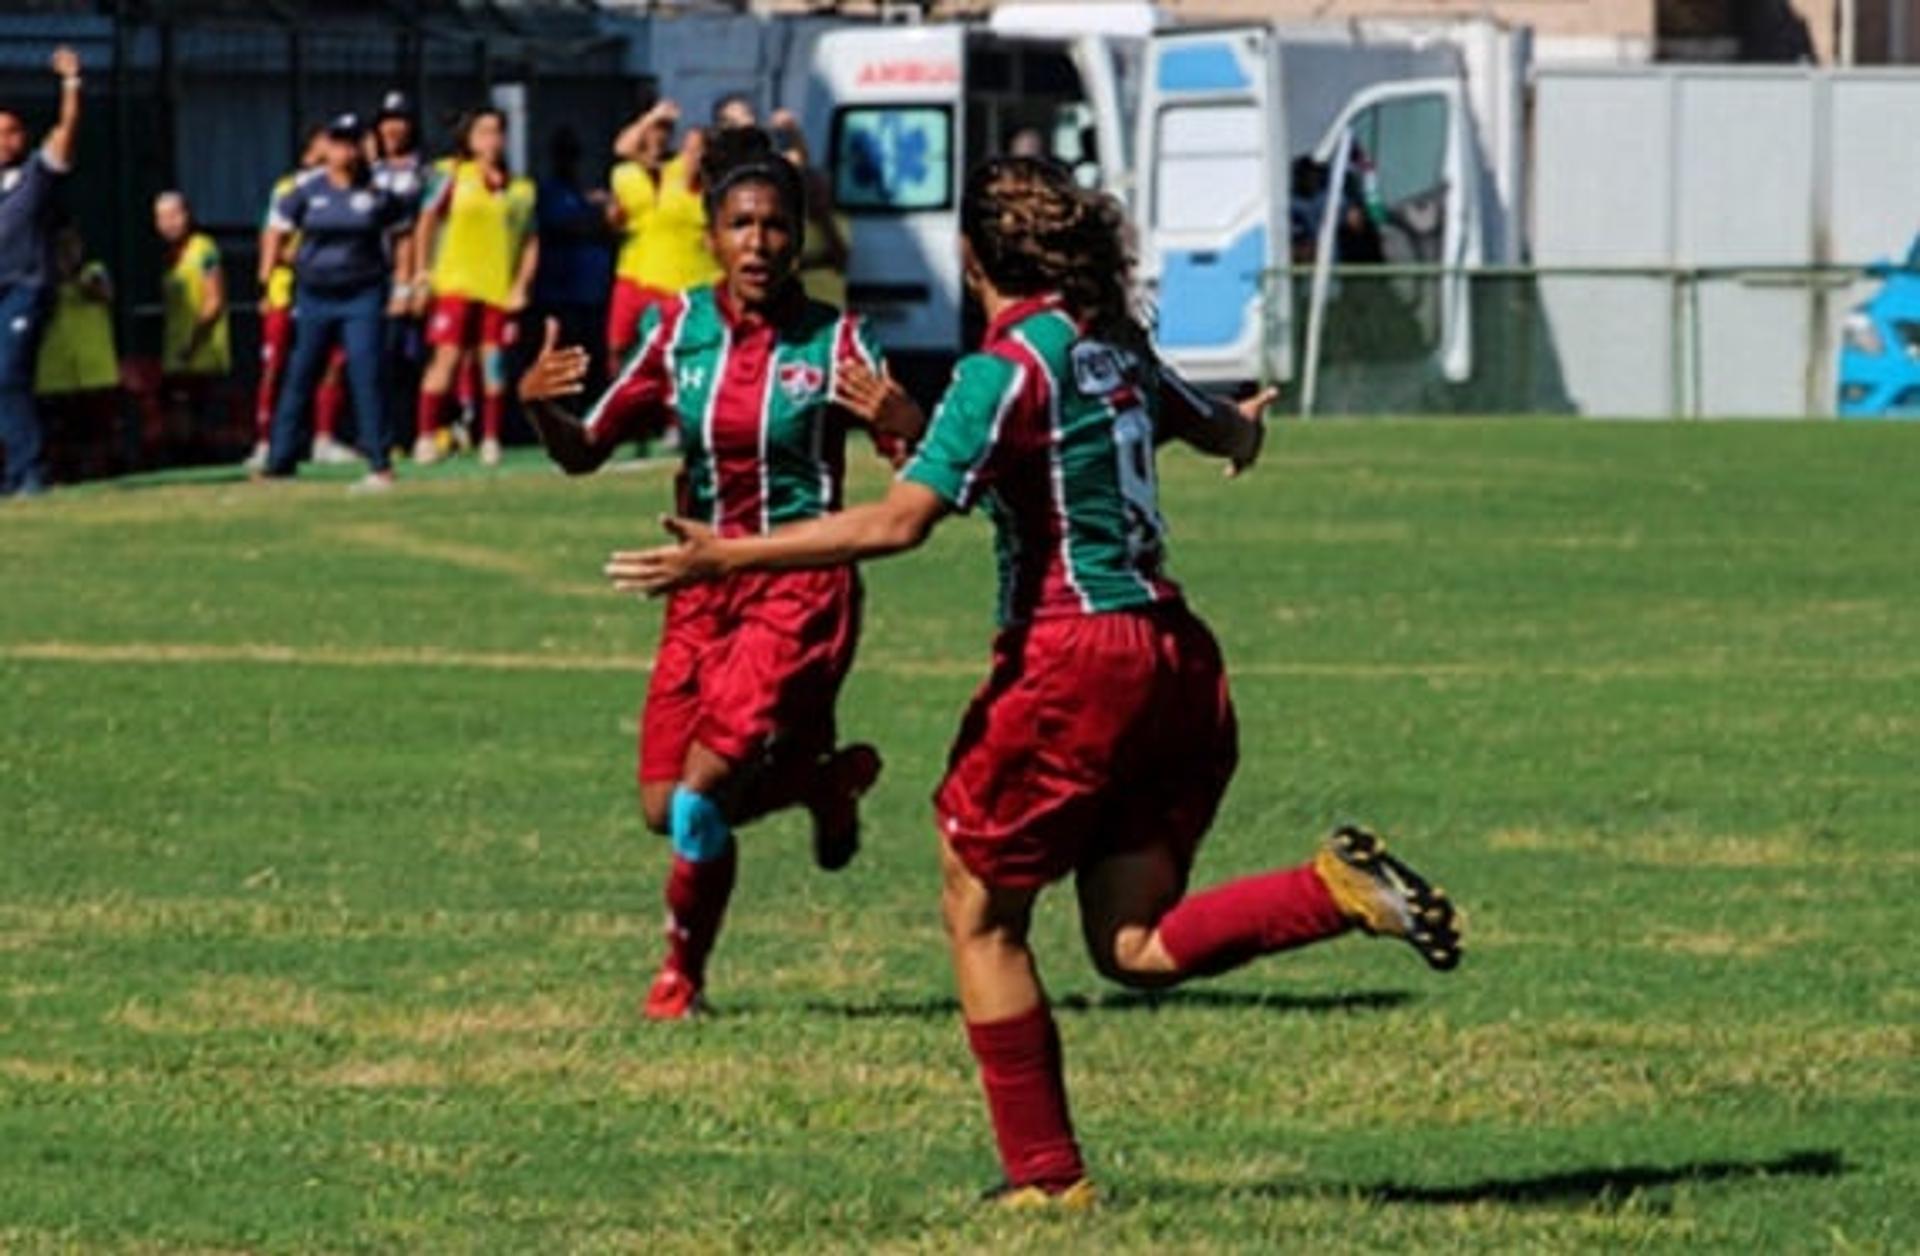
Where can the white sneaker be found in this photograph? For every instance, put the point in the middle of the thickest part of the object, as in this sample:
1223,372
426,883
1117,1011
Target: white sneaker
490,452
330,452
426,450
257,460
372,482
462,433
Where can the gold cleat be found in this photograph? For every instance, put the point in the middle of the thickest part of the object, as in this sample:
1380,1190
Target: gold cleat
1386,898
1080,1197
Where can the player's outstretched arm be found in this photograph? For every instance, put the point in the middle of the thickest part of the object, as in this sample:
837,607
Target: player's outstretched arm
898,522
63,139
559,372
1232,430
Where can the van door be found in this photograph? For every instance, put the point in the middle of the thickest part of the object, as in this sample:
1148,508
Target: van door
1212,205
896,114
1410,165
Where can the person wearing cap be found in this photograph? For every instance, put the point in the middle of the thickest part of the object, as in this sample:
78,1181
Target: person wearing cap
345,215
27,181
398,160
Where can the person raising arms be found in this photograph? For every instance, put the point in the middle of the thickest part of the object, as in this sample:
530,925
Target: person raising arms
481,274
1104,738
657,207
739,718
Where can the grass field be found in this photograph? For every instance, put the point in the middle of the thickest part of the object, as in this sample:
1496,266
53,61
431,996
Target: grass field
324,907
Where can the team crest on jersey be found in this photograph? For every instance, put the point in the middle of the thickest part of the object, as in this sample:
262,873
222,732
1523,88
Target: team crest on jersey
689,378
1099,369
801,381
10,180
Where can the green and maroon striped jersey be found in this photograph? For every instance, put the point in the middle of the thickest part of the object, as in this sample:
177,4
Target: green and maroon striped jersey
1055,431
762,441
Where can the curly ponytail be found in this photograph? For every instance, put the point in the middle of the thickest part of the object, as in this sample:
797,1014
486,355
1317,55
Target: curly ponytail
1034,230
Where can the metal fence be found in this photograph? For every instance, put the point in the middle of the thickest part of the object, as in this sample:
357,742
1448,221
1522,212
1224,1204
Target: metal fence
1603,341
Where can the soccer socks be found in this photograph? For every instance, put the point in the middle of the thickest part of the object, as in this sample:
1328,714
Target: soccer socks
427,415
493,407
1224,927
699,883
329,403
1027,1096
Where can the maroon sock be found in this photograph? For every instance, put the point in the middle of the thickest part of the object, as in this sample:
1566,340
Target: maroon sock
697,895
329,403
1228,925
427,416
1027,1097
493,407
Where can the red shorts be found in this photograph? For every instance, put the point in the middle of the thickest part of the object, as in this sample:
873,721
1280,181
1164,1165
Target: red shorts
468,324
750,664
629,303
1095,735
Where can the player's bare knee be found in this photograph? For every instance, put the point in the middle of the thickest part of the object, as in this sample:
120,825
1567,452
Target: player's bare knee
1132,957
656,806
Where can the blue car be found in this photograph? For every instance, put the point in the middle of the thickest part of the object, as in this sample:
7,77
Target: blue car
1880,347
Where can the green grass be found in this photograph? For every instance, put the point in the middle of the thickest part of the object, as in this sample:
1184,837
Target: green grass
324,907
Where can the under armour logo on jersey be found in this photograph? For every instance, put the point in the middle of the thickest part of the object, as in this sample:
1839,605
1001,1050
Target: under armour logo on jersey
690,378
362,202
801,380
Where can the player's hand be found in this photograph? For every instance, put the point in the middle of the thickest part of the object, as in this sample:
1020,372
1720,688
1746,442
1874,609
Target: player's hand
422,300
559,371
694,560
517,301
66,62
1254,411
399,302
783,120
880,401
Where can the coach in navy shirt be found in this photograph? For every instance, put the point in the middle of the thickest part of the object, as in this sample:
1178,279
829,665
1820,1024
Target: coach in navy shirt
347,216
27,181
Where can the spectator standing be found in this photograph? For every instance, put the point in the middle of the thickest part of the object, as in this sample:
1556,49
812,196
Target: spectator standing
479,229
195,352
399,161
345,215
575,258
27,182
657,208
77,378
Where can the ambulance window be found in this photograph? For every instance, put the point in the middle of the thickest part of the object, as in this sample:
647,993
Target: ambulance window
1407,143
897,158
1208,175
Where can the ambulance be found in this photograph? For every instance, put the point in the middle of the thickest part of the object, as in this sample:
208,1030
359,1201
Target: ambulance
1214,137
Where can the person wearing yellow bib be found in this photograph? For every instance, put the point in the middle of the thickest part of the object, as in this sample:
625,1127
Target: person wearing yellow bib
479,230
659,209
195,354
77,375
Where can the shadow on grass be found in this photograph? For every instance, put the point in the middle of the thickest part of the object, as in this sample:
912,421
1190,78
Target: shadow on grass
1134,1001
1575,1187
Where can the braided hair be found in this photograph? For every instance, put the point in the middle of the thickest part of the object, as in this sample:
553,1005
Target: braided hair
1034,230
747,154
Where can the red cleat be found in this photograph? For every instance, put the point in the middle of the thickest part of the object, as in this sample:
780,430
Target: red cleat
673,996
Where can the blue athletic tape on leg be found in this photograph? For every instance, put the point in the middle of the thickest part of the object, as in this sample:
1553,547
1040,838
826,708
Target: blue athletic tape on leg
700,832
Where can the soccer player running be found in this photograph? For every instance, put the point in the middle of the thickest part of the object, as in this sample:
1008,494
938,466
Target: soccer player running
739,718
1104,738
478,229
